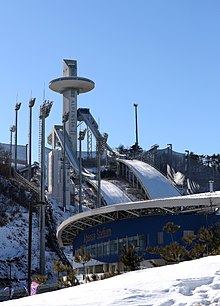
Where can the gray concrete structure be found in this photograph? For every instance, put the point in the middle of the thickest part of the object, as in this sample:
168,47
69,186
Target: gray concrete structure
70,85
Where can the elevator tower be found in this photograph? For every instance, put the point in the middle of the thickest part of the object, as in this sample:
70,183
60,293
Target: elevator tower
70,86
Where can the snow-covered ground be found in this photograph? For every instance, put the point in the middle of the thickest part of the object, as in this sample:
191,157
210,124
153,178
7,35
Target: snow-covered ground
156,184
192,283
14,219
14,235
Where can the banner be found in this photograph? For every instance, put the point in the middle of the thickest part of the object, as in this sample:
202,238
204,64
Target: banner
34,286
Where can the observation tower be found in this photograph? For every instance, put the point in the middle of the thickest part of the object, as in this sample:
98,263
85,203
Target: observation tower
70,86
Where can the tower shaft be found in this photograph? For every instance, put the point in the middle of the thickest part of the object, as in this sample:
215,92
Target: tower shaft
70,86
70,102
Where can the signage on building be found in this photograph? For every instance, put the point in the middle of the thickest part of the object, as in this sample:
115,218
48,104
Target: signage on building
98,234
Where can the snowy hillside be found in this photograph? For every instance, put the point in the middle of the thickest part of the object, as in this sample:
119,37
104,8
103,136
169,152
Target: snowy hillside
192,283
14,219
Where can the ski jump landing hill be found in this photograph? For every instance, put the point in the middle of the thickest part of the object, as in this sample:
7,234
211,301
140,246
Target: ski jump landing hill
140,174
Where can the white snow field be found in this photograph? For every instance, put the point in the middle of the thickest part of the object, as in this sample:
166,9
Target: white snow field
155,184
192,283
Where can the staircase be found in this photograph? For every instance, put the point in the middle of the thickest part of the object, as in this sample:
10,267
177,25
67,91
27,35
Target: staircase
52,235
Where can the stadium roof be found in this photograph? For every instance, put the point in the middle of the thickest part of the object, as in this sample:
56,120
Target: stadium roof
205,203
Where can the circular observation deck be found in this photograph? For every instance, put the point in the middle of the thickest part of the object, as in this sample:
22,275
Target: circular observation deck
80,84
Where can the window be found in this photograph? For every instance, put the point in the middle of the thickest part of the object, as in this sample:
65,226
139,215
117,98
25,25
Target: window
160,237
100,249
133,240
148,239
88,249
121,242
93,250
113,247
188,234
141,242
73,71
105,248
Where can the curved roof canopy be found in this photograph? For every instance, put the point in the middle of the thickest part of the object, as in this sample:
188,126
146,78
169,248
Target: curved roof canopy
200,203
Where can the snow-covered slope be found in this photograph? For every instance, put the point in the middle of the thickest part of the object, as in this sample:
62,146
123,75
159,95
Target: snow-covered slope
192,283
156,185
14,221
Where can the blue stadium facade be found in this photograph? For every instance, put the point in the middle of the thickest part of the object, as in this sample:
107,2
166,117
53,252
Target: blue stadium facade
102,232
104,242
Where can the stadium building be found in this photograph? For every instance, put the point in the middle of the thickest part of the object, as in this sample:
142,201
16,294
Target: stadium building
116,220
102,232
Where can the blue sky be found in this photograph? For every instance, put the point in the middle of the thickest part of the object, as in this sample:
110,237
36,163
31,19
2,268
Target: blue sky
162,54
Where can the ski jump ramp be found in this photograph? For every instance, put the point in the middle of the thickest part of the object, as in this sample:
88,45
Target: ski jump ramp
154,183
110,193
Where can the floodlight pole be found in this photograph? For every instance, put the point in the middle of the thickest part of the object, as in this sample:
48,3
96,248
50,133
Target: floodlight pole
170,154
187,175
100,147
44,113
136,125
29,247
81,138
98,172
64,120
17,107
12,130
31,104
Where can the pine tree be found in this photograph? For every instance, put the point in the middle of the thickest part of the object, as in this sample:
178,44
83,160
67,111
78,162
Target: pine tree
82,257
70,279
171,253
216,239
206,242
130,258
171,228
205,238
